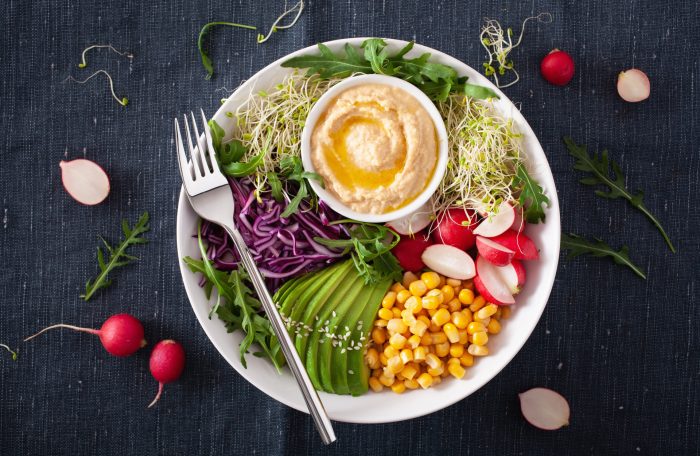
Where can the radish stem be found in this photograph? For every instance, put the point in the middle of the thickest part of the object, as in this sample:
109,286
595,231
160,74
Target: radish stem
61,325
123,101
160,391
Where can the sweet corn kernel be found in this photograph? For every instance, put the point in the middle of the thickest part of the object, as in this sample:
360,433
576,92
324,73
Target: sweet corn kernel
389,300
480,338
484,322
442,349
478,350
424,319
408,318
463,336
395,365
427,339
456,350
375,384
419,354
478,303
398,387
378,336
475,327
431,312
454,283
438,294
467,360
411,384
487,311
437,380
409,371
448,293
397,287
418,288
442,281
505,312
459,320
406,355
466,296
408,277
437,371
494,326
402,296
451,332
431,279
383,360
386,314
398,341
395,325
433,361
390,352
386,381
441,317
396,311
425,380
456,370
418,328
438,338
413,341
454,305
414,304
380,323
452,361
372,358
431,302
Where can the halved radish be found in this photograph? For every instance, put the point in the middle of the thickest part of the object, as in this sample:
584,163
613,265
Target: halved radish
633,85
494,252
513,276
414,222
85,181
490,284
456,228
544,408
498,222
523,246
449,261
409,250
519,222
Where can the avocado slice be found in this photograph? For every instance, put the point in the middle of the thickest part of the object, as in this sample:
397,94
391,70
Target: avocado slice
297,296
357,369
317,346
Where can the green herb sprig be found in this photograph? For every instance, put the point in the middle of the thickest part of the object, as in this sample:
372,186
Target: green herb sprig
117,257
434,79
229,154
598,167
240,309
597,248
12,352
532,198
370,247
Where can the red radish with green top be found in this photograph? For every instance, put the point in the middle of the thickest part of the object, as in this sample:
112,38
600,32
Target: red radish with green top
166,364
121,334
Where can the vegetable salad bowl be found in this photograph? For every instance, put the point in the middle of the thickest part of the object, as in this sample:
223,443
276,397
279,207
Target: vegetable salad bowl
388,406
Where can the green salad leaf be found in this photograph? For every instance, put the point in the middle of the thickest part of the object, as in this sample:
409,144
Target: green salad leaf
532,198
229,154
577,245
117,256
292,170
598,168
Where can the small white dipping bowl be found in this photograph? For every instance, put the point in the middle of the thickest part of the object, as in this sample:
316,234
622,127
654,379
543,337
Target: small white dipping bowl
320,107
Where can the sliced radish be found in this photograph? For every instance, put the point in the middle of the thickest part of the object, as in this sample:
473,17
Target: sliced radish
544,408
523,246
513,275
414,222
449,261
85,181
498,222
519,222
409,250
633,85
494,252
490,284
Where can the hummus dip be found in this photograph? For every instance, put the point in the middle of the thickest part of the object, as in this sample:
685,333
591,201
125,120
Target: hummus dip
375,147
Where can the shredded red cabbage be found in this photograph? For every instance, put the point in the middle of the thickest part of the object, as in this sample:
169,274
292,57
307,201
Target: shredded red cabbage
282,247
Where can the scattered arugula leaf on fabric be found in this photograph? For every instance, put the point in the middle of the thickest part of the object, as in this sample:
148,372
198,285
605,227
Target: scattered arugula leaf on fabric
117,257
577,245
532,198
598,167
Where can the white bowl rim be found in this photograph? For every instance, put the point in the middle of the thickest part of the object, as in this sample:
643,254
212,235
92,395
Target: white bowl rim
423,402
440,130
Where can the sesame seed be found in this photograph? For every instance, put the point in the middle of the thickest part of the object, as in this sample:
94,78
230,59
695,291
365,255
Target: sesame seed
350,372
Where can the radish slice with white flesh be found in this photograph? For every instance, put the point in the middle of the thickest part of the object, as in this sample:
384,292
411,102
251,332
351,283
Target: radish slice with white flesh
494,252
513,275
497,223
633,85
545,409
85,181
413,222
449,261
491,284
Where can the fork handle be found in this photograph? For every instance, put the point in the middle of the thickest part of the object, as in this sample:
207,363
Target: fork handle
313,402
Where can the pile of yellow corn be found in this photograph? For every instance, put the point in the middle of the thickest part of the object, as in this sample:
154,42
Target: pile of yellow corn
429,327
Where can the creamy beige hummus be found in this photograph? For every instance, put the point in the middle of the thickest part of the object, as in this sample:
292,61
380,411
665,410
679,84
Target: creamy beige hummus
375,147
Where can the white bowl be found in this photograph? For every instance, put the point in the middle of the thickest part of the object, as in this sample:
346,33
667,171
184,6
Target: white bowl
320,107
388,406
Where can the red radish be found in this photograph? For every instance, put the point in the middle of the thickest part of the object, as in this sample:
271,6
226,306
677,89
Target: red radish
85,181
449,261
494,252
557,67
633,85
409,250
519,222
121,335
490,284
166,364
497,223
523,246
413,223
513,275
456,228
544,408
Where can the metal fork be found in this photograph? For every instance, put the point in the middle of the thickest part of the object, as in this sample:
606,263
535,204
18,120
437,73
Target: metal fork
210,196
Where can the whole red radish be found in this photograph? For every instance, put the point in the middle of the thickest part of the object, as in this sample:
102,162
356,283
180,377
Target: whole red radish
456,228
166,364
121,334
557,67
409,250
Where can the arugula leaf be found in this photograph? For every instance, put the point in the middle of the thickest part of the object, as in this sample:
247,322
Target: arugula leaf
117,256
376,54
292,170
328,65
206,60
275,186
242,169
532,197
598,167
229,154
478,92
580,246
